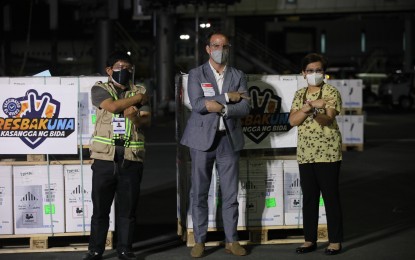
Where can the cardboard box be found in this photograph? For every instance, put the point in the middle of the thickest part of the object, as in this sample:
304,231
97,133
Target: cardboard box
86,109
78,187
351,91
261,193
6,200
38,199
293,200
351,128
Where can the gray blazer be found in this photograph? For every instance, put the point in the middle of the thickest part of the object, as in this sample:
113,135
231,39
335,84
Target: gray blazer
202,126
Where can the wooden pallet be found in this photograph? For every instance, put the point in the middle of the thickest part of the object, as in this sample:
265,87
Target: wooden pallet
54,162
59,242
355,147
41,159
259,235
352,111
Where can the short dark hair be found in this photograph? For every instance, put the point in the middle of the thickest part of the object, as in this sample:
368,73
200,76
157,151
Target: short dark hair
313,57
213,32
117,56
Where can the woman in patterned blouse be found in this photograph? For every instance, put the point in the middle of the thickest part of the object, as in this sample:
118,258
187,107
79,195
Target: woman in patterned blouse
319,153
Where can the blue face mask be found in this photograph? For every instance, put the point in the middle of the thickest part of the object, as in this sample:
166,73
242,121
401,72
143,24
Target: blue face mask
122,77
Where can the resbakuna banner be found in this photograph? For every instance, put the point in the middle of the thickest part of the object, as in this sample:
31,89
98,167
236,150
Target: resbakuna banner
267,125
38,119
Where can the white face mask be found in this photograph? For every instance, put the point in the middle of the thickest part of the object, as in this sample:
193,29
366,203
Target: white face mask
315,79
220,56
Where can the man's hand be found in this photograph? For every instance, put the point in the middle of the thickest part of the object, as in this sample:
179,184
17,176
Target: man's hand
213,106
236,96
141,99
131,112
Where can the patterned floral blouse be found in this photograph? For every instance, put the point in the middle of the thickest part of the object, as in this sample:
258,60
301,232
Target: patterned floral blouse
318,143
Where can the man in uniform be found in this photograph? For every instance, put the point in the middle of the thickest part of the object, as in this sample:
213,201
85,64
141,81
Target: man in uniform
118,152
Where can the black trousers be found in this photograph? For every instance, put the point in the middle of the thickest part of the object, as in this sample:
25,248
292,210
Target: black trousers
119,178
324,178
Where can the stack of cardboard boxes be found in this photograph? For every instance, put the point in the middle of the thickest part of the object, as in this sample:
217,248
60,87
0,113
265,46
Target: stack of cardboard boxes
46,199
269,195
351,121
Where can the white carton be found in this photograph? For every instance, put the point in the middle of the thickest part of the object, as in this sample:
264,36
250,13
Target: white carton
6,200
78,214
86,109
38,199
261,193
293,200
351,128
351,91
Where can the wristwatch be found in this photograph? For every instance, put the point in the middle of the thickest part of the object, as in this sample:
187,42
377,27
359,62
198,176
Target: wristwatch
223,111
315,112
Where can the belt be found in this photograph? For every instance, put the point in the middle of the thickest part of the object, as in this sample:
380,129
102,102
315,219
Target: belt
221,133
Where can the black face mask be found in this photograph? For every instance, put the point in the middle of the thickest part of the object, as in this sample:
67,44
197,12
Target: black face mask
122,77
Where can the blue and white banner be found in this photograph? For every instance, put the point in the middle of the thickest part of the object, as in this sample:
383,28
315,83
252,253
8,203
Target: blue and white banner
38,119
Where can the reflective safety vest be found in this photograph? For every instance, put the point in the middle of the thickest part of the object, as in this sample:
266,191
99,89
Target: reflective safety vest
104,140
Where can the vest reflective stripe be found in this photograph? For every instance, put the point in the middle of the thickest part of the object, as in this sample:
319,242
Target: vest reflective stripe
131,144
103,140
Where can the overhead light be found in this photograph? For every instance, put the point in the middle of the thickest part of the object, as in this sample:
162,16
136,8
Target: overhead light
184,37
204,25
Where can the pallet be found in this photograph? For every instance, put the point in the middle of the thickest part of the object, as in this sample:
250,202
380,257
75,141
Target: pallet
41,159
54,162
352,111
59,242
354,147
259,235
270,153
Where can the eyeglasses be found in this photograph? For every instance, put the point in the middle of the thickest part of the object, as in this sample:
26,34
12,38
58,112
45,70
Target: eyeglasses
314,71
119,67
217,46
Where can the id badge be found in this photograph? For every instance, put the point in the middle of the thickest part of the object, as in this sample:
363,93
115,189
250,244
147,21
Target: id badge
118,125
208,90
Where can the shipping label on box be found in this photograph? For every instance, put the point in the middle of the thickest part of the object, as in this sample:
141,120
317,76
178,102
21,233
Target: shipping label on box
293,199
6,200
38,199
27,81
78,188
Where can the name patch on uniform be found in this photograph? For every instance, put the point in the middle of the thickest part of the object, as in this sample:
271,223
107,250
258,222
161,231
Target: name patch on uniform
118,125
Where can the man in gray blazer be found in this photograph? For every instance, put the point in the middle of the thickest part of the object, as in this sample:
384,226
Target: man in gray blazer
219,98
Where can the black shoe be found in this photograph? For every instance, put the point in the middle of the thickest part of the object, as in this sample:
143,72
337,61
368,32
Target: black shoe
330,251
127,256
92,255
306,249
